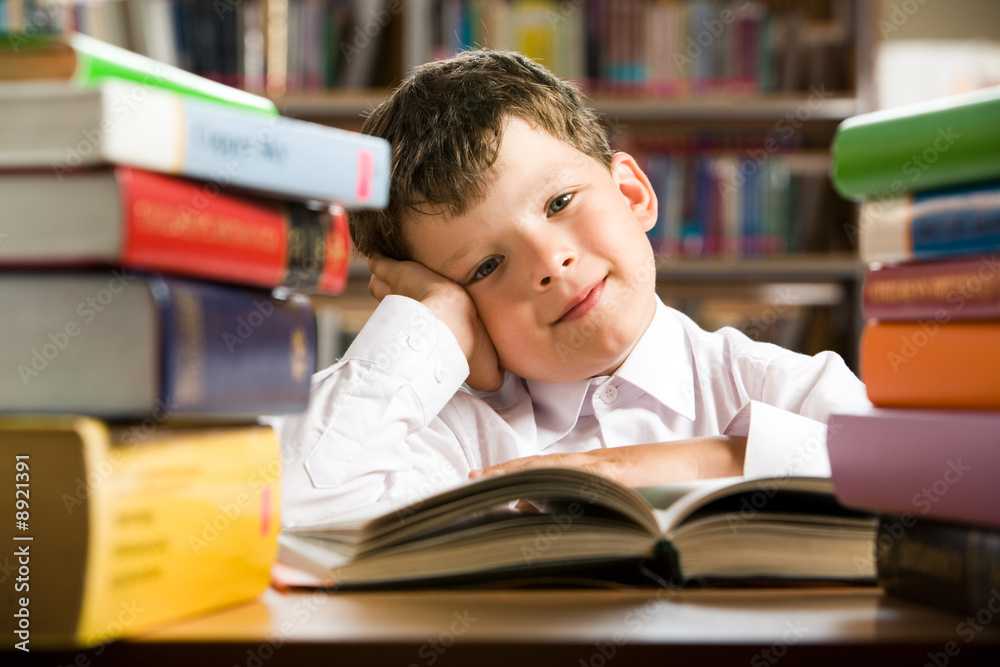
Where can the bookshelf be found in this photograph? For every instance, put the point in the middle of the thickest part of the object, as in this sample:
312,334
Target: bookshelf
725,77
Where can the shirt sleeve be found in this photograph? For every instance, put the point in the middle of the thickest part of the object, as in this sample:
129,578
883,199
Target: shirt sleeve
789,399
372,431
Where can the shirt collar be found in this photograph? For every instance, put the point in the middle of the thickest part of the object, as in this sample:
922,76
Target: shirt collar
660,365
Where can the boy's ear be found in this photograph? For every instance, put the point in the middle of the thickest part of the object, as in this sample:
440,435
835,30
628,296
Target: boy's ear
636,188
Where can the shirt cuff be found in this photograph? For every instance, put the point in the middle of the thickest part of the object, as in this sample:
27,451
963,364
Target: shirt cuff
405,338
781,443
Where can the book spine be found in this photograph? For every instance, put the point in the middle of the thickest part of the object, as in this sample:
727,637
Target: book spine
179,226
927,364
967,289
231,351
142,527
284,157
952,566
918,147
930,226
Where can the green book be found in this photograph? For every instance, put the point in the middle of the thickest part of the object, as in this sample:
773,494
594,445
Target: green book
943,142
88,62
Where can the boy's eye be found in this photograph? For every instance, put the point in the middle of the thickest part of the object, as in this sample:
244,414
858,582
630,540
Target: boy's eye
486,268
559,203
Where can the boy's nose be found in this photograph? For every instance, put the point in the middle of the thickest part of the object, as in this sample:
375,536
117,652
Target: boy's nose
554,268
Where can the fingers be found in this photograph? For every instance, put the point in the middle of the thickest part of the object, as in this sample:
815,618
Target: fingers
544,461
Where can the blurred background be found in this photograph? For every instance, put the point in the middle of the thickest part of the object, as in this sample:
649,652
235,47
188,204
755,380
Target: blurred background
730,107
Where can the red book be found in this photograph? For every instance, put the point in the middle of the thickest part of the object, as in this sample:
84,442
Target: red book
938,464
958,289
141,220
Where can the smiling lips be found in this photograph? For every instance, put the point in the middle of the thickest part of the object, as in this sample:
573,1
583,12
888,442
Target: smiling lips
584,305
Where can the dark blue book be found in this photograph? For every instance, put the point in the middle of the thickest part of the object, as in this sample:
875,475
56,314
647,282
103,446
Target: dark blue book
936,224
123,345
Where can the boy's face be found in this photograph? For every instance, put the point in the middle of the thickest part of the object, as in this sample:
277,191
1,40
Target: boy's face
555,257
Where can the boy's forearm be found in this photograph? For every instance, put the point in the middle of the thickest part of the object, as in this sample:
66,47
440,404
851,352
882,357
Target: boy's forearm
719,456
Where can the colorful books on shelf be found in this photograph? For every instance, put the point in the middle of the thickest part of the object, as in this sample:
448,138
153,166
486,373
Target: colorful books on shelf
572,527
636,46
120,529
123,345
64,128
87,62
945,142
143,220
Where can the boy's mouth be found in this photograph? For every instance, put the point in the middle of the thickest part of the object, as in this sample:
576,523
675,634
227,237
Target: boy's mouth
584,303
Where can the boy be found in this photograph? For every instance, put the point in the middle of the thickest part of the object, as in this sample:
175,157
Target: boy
513,258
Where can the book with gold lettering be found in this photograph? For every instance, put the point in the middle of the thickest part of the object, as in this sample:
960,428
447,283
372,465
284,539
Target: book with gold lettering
123,345
942,564
144,220
120,529
966,288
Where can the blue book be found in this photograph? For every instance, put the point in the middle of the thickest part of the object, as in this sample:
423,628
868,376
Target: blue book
933,224
62,127
121,345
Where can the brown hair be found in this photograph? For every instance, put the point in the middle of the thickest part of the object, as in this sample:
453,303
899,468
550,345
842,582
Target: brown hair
445,125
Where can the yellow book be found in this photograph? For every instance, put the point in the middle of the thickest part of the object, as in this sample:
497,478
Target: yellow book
113,530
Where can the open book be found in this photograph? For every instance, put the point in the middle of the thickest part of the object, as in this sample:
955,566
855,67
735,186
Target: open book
561,525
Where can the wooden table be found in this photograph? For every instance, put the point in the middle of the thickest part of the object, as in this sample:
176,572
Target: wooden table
597,628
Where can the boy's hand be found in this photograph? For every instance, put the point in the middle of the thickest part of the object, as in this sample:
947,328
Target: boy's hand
450,303
644,465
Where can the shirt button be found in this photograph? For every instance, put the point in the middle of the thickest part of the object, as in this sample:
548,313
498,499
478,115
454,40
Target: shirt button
416,343
609,394
441,373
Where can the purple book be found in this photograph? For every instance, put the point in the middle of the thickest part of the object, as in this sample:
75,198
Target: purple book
936,464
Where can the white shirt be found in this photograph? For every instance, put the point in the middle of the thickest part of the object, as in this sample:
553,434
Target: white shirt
392,422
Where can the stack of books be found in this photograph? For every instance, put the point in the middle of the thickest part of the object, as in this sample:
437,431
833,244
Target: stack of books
928,177
161,234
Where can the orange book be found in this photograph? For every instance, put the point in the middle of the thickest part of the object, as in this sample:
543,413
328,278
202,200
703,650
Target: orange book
927,364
